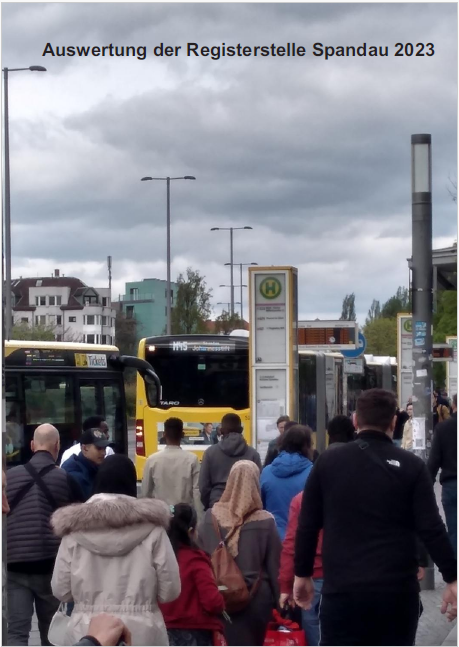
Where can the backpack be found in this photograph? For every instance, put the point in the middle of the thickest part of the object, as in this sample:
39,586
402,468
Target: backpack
228,575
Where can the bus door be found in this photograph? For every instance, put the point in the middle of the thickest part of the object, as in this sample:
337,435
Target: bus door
103,396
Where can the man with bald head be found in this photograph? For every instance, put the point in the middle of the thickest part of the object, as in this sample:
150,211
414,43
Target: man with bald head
35,490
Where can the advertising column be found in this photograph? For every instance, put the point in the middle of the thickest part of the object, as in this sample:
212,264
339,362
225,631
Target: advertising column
404,359
273,351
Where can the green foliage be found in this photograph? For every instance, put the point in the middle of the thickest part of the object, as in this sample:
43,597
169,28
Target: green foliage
192,306
348,309
226,323
130,392
400,302
126,334
374,312
24,332
381,336
445,319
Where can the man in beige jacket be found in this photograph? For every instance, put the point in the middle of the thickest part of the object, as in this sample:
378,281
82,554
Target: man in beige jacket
172,475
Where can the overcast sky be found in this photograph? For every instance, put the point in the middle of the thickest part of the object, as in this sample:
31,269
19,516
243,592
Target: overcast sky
313,154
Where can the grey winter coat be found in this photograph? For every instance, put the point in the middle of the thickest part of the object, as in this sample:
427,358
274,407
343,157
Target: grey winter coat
217,463
259,553
29,534
115,557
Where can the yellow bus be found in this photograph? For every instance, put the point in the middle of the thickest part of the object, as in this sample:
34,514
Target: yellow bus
202,377
63,384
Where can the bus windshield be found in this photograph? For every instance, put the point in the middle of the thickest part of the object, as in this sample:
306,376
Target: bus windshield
208,378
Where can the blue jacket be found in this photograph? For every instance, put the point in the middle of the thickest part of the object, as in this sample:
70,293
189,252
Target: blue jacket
280,482
83,471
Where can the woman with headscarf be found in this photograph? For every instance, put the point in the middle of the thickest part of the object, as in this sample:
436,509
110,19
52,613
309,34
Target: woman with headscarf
115,556
254,544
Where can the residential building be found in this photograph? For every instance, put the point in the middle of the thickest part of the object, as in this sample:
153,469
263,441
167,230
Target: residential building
145,301
75,311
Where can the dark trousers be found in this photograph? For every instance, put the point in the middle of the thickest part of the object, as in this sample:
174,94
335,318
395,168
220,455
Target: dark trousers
449,501
23,592
369,618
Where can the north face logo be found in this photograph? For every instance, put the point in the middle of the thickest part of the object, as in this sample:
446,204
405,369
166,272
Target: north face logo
394,463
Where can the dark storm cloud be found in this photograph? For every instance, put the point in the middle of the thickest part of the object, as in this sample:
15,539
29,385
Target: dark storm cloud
314,150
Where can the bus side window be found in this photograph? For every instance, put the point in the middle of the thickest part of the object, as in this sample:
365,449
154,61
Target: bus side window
14,430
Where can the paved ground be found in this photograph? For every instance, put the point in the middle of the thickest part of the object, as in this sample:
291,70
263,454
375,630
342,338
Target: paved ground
434,629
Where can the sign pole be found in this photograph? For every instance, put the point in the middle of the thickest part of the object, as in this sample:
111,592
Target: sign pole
421,190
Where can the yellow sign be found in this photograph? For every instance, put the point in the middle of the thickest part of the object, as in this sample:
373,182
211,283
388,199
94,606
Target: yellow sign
270,287
81,359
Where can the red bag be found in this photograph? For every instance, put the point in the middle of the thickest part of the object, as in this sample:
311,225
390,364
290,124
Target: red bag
282,632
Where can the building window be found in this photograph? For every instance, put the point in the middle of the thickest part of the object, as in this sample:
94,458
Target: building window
72,319
40,320
129,312
90,339
104,320
24,320
40,301
58,337
105,302
58,301
134,292
52,301
59,320
165,311
90,320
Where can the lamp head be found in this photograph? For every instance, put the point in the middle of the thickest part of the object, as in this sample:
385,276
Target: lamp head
146,178
189,177
37,68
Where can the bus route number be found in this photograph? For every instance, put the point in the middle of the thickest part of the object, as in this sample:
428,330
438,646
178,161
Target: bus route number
180,345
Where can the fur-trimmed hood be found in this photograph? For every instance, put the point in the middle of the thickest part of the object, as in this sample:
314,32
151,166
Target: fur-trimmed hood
111,524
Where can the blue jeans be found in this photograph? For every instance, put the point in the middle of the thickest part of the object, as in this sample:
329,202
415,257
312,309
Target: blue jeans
449,501
310,618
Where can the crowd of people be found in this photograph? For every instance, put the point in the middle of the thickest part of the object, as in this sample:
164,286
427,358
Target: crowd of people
209,550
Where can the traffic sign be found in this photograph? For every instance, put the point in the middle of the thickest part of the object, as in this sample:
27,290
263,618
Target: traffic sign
356,352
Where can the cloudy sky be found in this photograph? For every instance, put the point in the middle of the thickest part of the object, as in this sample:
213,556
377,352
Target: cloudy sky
313,154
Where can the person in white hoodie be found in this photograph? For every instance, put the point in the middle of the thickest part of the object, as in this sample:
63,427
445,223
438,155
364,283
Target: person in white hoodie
94,422
115,557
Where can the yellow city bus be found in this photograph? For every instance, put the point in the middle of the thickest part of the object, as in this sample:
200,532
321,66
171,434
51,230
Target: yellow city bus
63,384
202,377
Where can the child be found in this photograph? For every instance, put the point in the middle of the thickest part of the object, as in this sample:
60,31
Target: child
192,618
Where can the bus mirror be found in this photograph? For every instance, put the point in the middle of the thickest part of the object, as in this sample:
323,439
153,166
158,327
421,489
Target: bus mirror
153,387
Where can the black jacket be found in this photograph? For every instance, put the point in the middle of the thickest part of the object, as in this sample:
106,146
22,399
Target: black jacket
371,511
32,545
217,463
443,453
402,417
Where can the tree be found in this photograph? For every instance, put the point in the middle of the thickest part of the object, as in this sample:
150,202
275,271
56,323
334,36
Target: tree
381,335
192,306
24,332
226,323
400,302
453,191
445,325
126,334
348,310
374,312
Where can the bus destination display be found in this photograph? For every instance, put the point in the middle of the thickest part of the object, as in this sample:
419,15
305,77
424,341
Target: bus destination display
44,357
202,346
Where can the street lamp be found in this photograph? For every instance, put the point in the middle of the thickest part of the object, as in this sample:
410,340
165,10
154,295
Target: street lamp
231,229
6,71
421,199
242,286
168,229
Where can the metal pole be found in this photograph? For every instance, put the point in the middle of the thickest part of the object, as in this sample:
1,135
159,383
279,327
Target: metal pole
232,272
242,310
4,545
8,314
421,169
168,287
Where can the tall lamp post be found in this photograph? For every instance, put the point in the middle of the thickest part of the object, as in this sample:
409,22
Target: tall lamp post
231,263
241,265
6,71
168,228
421,198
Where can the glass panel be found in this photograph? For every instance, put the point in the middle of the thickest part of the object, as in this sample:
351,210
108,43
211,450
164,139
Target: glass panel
14,430
307,391
114,413
88,394
207,380
48,398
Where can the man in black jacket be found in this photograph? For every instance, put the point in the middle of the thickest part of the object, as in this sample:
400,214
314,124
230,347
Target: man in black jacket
443,455
372,500
34,491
